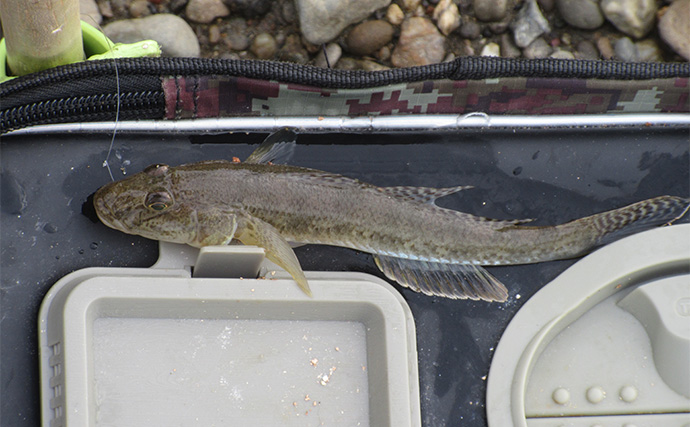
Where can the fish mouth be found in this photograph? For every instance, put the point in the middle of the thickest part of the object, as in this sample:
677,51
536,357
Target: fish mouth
105,213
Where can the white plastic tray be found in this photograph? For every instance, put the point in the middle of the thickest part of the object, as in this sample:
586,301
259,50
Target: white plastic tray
128,347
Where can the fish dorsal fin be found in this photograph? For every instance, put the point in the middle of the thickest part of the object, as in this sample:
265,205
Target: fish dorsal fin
278,148
422,194
455,281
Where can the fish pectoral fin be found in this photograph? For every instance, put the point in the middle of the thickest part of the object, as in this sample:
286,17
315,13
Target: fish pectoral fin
214,228
278,148
422,194
253,231
455,281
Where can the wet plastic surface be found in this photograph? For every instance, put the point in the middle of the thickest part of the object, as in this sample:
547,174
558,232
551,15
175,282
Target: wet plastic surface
554,176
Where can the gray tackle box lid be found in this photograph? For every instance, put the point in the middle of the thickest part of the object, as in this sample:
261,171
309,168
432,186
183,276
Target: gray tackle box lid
181,343
607,343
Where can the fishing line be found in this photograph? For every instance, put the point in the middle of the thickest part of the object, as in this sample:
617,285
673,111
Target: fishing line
117,120
106,163
325,55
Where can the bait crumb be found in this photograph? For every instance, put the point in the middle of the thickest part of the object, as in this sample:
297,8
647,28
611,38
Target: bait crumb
314,362
324,380
337,349
294,404
364,368
307,398
236,160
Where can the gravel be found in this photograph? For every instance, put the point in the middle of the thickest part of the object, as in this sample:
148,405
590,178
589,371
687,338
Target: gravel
381,34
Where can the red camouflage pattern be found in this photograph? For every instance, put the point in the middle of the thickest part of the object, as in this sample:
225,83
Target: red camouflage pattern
224,96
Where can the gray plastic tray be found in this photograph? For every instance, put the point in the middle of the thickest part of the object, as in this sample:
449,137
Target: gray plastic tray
159,347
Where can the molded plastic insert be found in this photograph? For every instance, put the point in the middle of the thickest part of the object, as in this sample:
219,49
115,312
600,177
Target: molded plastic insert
605,343
123,347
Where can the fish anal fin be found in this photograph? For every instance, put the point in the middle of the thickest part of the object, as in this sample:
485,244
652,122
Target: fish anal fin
454,281
277,148
422,194
253,231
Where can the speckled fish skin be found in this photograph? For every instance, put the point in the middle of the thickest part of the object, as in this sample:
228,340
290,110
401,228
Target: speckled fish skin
213,202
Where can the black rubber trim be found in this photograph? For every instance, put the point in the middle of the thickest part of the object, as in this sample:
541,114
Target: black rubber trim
75,92
460,69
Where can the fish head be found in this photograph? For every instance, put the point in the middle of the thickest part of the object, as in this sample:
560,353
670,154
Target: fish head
145,204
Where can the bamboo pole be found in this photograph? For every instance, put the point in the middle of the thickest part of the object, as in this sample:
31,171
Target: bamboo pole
41,34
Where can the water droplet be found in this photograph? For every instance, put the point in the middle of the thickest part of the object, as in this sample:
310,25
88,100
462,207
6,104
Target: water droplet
81,251
535,155
94,245
517,171
50,228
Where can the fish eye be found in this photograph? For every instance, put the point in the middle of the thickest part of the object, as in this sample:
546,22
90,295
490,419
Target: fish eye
157,169
159,201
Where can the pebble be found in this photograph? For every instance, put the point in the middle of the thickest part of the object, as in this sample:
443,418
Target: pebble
236,34
420,43
213,34
584,14
586,50
369,65
293,51
470,29
499,27
632,17
625,50
264,46
491,49
562,54
508,48
447,16
384,54
106,9
205,11
648,51
139,8
118,7
529,24
323,20
174,35
411,5
368,37
674,27
288,12
537,49
394,14
333,51
605,47
467,49
89,12
490,10
348,63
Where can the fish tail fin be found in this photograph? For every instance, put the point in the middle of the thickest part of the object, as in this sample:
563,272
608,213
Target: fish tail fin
618,223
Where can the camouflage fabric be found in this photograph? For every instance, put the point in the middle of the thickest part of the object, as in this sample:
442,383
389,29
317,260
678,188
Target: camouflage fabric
222,96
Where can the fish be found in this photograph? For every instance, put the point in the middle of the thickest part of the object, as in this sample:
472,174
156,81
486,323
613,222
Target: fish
414,242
